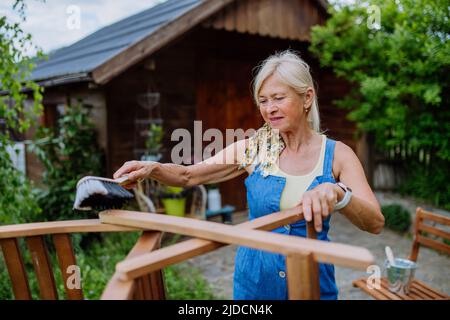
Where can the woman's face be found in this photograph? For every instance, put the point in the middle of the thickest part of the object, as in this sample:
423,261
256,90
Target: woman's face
280,105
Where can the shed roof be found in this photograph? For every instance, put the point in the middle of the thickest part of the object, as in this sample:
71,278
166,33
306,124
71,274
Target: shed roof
90,52
107,52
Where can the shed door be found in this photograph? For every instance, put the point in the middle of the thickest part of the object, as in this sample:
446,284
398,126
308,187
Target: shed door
224,102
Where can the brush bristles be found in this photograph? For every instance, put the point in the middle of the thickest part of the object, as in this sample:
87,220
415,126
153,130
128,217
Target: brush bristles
101,195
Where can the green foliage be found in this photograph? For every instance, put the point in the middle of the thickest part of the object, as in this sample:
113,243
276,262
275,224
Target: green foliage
153,142
396,217
17,201
430,184
399,72
184,282
68,153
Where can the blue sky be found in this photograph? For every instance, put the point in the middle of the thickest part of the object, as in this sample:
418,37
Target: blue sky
53,23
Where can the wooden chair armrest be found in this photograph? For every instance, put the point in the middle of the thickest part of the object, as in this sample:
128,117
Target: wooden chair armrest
54,227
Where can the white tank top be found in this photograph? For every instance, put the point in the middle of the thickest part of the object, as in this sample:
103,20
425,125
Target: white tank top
296,185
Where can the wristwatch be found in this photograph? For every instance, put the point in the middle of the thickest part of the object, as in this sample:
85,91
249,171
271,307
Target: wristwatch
346,199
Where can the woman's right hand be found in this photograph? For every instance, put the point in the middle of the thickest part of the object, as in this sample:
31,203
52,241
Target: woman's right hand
136,170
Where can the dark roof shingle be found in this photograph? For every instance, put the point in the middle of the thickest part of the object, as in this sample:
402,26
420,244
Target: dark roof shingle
90,52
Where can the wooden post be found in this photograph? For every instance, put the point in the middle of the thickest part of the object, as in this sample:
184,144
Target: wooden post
16,268
302,277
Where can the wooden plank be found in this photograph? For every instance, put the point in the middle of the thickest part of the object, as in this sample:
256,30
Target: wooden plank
433,244
158,291
117,289
42,267
266,19
419,293
435,291
219,22
253,23
302,277
146,263
433,217
157,40
120,289
385,285
194,247
429,293
241,16
434,231
66,258
340,254
416,245
385,290
150,286
230,17
54,227
16,268
375,293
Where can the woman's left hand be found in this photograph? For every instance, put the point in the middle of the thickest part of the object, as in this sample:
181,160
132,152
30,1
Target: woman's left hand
319,203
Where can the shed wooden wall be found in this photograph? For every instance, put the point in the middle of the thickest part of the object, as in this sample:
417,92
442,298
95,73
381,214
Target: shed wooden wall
206,75
285,19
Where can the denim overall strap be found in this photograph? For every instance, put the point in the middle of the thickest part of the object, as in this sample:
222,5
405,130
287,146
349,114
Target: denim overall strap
329,155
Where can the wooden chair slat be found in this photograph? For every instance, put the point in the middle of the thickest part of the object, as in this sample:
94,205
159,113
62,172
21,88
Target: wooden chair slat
146,283
158,289
389,294
427,293
123,289
139,293
414,295
427,215
361,283
435,231
42,267
420,293
16,268
433,244
425,286
66,258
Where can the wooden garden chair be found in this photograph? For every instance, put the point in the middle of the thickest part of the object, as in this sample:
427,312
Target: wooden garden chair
149,286
425,234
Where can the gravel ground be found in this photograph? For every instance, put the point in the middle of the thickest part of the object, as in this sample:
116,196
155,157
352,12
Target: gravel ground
433,268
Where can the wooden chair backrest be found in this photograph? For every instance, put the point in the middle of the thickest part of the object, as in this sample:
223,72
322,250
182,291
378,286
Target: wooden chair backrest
34,235
198,202
427,232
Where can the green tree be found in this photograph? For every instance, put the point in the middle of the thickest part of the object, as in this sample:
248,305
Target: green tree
17,202
398,68
68,152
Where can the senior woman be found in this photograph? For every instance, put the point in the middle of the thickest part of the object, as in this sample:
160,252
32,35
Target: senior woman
289,162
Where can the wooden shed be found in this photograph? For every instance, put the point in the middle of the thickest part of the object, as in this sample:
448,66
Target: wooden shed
199,57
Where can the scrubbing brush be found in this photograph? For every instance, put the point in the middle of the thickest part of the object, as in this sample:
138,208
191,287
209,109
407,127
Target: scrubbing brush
101,193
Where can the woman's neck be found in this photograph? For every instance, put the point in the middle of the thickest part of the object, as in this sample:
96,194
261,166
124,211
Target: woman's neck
298,139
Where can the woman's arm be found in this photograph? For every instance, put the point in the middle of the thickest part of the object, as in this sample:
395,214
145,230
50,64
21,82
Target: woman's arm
363,209
222,166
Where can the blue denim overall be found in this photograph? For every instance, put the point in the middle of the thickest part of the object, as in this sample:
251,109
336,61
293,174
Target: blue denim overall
260,274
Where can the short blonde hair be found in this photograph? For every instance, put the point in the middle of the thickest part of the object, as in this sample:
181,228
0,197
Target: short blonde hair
294,72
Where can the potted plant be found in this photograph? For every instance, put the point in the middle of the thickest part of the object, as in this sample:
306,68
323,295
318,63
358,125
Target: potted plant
174,200
153,143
